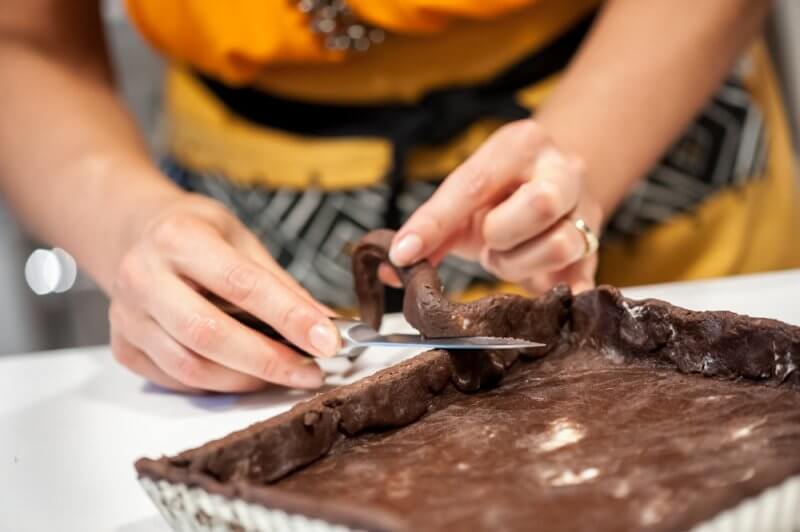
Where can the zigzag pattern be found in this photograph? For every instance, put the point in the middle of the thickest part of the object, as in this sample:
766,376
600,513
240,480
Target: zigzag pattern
724,147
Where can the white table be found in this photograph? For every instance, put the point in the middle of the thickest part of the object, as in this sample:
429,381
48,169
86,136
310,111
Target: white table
72,422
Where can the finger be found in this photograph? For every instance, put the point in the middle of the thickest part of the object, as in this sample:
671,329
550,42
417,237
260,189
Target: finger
255,249
579,275
551,193
500,162
466,243
137,361
178,362
558,247
387,275
235,278
200,326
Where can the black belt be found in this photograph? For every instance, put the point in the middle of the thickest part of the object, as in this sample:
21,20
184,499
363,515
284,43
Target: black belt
436,118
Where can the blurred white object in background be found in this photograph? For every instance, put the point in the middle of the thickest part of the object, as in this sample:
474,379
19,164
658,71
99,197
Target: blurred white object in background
50,271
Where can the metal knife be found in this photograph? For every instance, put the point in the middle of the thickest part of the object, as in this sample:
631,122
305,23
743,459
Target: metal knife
357,336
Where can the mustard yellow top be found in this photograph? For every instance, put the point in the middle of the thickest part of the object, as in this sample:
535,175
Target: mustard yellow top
234,39
267,44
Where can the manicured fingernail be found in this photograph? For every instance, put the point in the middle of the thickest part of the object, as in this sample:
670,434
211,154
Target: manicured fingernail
308,377
407,250
324,338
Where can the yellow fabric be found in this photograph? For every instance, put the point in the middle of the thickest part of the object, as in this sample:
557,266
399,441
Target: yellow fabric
415,16
235,39
405,67
205,136
234,45
230,39
741,230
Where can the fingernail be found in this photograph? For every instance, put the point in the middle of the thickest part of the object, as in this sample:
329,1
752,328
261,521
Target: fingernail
407,250
324,338
308,377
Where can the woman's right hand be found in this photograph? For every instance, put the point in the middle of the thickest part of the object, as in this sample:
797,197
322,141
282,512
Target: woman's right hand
165,330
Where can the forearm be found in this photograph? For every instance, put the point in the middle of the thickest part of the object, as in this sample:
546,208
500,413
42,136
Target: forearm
71,163
646,69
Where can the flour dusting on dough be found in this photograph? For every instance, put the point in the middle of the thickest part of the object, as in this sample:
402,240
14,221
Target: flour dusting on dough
571,478
633,312
562,432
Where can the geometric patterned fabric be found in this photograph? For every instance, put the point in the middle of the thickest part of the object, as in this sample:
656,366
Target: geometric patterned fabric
725,146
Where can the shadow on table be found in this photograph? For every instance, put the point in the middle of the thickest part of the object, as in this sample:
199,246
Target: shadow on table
115,385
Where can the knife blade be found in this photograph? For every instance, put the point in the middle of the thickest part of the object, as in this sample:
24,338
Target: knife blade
356,335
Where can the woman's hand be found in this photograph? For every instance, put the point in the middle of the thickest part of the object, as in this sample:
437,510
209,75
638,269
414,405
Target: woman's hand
512,205
165,330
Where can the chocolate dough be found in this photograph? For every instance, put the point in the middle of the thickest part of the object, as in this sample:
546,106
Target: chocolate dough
600,434
715,344
721,344
428,310
578,441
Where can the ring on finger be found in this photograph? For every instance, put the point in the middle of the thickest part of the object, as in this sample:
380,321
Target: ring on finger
589,238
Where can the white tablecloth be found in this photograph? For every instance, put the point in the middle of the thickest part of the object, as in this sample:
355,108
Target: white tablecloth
72,422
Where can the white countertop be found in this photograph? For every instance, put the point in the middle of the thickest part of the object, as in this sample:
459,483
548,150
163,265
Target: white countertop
72,422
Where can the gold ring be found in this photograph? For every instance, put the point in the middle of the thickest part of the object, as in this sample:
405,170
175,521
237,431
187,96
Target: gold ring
592,243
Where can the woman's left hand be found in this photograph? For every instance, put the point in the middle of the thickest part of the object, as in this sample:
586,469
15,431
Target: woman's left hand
513,205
